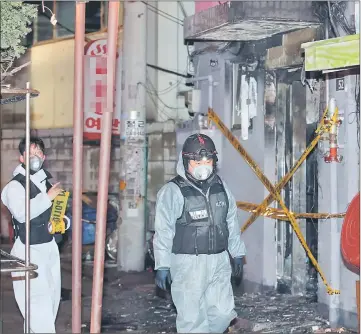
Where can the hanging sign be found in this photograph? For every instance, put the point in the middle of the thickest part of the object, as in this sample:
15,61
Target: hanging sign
95,90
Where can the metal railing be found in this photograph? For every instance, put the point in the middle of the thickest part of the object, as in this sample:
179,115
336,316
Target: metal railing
10,264
24,266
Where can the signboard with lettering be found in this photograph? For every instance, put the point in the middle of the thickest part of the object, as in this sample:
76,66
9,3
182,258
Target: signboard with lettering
95,90
134,130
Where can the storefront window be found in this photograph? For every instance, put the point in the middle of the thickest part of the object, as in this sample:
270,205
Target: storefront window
65,14
64,11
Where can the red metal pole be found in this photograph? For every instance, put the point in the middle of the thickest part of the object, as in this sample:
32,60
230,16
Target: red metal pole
103,179
78,121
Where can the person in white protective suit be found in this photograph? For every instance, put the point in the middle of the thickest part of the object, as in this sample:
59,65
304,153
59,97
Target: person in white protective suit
196,228
45,289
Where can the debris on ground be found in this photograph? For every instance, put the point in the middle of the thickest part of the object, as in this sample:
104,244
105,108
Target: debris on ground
316,329
140,308
132,303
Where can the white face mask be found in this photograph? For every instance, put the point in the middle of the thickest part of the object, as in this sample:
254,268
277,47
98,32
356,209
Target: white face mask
35,163
202,172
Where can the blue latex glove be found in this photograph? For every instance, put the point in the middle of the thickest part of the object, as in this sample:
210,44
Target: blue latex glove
162,277
238,266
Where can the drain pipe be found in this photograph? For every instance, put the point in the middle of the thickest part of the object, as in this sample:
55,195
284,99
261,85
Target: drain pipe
335,256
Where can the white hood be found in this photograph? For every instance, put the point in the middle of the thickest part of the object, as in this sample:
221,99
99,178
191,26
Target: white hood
180,167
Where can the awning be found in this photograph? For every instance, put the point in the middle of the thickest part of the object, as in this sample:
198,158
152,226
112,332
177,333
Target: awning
249,20
332,54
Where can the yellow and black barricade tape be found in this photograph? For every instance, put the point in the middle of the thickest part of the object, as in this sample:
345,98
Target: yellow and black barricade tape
57,224
321,129
274,191
280,214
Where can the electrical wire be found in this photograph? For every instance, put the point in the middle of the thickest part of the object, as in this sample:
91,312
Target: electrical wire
152,93
153,11
168,89
163,14
330,16
181,6
165,90
333,12
71,31
157,96
338,12
165,70
356,113
357,100
151,96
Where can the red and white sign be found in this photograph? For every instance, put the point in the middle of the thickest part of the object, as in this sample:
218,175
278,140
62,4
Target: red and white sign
95,89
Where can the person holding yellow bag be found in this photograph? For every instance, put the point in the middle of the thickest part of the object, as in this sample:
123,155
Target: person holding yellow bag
45,289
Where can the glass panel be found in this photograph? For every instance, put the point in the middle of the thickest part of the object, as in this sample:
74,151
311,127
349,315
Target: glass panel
44,27
65,14
105,5
93,16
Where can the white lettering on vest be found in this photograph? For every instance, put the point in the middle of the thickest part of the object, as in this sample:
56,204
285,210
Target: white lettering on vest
200,214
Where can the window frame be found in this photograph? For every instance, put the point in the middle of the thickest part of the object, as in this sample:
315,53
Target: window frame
55,38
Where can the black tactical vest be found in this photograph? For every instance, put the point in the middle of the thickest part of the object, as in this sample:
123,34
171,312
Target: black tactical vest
202,228
39,232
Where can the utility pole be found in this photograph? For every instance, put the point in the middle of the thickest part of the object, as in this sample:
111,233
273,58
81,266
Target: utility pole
131,232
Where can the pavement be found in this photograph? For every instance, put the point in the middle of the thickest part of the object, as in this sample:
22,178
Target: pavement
131,303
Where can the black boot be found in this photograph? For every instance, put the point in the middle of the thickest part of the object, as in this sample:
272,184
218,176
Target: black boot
238,324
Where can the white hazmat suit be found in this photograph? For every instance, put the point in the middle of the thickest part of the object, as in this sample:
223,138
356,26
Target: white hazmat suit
45,289
201,284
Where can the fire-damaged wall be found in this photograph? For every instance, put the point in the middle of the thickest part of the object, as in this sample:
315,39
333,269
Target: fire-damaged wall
340,188
311,189
337,189
347,185
260,270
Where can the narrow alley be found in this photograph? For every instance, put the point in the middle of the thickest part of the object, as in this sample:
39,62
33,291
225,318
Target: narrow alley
180,166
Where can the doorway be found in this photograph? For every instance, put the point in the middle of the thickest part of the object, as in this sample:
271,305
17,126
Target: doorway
295,273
